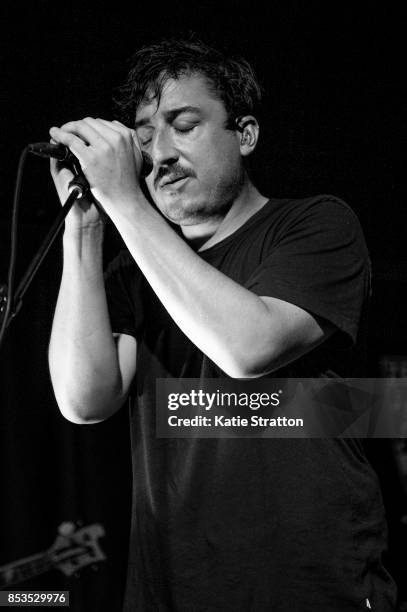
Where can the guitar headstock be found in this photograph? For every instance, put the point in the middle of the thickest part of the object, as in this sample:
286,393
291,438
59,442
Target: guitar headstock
75,548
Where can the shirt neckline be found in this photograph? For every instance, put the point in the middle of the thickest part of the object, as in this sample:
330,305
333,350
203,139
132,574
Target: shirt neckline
239,230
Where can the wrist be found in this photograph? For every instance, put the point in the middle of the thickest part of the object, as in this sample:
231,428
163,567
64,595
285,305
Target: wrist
90,234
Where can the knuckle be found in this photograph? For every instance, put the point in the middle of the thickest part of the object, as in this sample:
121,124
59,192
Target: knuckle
130,137
120,137
105,146
67,138
70,125
91,157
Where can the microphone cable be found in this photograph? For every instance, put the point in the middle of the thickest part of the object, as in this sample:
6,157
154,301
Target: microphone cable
6,304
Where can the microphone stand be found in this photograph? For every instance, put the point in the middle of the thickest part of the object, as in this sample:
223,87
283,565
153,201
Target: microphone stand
79,188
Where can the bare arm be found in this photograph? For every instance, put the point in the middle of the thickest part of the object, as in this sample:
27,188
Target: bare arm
244,334
90,371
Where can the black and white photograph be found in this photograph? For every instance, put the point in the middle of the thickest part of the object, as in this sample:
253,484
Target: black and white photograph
203,341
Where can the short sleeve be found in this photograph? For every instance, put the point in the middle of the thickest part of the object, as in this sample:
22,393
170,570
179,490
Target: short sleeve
123,284
320,263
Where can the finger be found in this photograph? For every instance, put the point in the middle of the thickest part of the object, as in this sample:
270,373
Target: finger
117,127
61,170
103,127
120,123
120,126
112,134
110,124
85,129
61,174
123,130
73,142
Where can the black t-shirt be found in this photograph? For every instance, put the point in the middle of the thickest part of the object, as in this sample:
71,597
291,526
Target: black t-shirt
256,524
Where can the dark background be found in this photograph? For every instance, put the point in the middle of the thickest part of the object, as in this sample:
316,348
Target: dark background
334,123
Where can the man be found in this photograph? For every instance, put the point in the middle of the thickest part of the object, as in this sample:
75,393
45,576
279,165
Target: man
249,287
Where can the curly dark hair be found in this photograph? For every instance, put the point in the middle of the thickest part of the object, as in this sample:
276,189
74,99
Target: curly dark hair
231,78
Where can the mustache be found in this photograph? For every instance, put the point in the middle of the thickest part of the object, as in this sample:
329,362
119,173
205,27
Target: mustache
175,171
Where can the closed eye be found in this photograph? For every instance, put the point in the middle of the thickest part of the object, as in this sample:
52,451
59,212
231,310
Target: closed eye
185,128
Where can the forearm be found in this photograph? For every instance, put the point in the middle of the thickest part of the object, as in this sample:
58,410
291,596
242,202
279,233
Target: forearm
82,354
227,322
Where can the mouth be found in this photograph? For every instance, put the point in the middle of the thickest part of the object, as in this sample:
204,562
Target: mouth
169,183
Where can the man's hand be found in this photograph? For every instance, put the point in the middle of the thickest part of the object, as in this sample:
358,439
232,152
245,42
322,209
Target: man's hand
84,213
110,158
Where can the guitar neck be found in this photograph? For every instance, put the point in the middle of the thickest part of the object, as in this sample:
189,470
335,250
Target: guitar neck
24,569
71,551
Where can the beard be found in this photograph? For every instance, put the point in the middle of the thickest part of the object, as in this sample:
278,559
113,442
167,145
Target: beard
184,207
184,212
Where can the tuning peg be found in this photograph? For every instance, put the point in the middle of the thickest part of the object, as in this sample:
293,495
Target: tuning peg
66,528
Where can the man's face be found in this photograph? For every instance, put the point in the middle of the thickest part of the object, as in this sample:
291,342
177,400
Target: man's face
198,168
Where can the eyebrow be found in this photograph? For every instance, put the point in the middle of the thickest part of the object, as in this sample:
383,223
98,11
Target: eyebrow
170,114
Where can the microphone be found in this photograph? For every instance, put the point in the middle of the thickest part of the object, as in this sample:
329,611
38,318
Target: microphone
62,153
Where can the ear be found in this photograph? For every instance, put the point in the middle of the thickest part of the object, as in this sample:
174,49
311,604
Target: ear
248,134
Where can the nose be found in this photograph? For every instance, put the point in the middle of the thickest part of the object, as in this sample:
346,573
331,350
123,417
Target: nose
163,150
